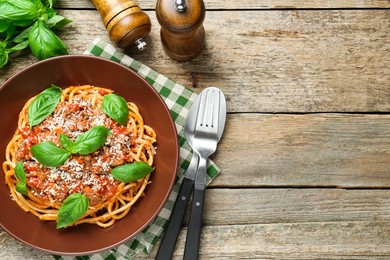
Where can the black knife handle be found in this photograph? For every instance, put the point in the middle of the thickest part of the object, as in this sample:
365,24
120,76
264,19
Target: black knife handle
191,250
169,239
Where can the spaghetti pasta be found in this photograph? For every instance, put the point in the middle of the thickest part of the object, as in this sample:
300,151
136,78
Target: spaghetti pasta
79,110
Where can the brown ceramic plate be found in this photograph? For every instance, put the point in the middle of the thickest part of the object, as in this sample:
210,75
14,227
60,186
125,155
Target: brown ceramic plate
78,70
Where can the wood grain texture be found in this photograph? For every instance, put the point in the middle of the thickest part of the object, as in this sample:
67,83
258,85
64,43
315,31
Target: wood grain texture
280,223
328,240
275,205
339,150
252,4
287,61
332,240
292,61
305,156
294,224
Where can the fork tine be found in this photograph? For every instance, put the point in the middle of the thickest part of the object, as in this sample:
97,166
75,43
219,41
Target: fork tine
209,108
202,109
216,100
208,117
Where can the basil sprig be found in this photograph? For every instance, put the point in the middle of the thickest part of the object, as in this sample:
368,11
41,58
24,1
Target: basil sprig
48,154
21,186
43,105
27,23
72,209
116,108
131,171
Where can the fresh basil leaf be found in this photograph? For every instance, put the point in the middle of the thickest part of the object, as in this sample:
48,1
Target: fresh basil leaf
44,43
50,13
18,47
21,187
48,154
66,142
72,209
3,58
131,171
43,105
116,108
11,32
57,22
18,10
91,140
19,172
4,25
22,36
23,23
38,4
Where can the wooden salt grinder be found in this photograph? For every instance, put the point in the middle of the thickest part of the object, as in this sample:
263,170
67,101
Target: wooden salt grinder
182,32
126,23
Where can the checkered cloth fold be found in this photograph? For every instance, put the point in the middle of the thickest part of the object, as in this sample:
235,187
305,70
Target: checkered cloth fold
178,100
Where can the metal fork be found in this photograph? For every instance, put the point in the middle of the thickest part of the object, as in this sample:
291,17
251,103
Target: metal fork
204,144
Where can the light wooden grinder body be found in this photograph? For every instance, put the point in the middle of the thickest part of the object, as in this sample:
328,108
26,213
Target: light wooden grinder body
126,23
182,32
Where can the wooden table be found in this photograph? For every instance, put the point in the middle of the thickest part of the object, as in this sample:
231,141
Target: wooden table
305,156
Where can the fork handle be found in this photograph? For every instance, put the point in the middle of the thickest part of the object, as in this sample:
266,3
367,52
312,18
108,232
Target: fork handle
191,250
195,225
168,242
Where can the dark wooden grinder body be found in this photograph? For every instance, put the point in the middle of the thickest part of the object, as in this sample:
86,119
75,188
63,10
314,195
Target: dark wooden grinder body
182,32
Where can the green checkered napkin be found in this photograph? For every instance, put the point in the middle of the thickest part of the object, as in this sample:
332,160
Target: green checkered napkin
178,100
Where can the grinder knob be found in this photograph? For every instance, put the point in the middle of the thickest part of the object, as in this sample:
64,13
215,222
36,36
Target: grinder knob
182,32
126,23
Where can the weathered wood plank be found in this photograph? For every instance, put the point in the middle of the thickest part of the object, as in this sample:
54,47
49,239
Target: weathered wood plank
272,222
287,61
12,249
270,206
341,150
250,4
328,240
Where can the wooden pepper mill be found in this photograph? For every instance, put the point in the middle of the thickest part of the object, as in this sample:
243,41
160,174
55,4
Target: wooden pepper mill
126,23
182,32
